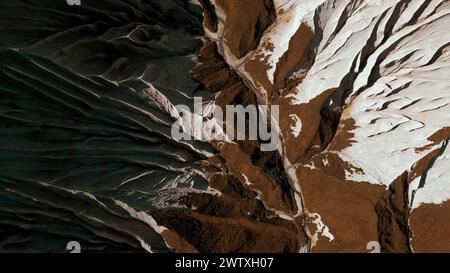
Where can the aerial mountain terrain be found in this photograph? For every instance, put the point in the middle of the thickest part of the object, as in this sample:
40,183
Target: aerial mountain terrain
89,96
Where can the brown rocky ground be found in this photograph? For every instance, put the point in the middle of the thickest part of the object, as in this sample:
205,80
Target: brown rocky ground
258,209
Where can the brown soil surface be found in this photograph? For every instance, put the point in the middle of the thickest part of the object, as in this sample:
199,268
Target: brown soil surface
246,21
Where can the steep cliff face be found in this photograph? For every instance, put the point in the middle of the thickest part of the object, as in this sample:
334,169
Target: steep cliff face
88,101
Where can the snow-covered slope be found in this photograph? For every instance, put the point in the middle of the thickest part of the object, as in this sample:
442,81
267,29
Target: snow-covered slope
369,84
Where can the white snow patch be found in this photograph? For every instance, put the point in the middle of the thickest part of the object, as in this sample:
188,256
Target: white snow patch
321,228
297,127
142,216
437,183
290,15
247,182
